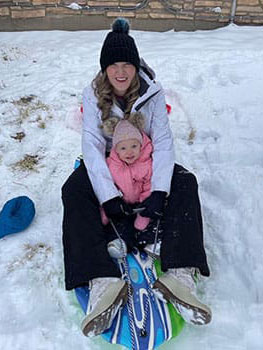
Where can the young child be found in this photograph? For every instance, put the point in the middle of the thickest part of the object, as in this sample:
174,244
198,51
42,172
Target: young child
130,164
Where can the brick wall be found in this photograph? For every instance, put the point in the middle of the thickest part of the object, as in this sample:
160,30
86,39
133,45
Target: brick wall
149,15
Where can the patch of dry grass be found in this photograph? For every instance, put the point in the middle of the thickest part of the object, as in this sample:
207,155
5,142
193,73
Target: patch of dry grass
19,136
10,53
38,251
191,136
40,123
29,106
28,163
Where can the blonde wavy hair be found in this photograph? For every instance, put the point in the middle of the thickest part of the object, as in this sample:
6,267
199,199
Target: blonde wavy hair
104,92
136,119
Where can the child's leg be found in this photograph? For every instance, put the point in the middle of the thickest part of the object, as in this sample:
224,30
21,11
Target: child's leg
104,217
141,222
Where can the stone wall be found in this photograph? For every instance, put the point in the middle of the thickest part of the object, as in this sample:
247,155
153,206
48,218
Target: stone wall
143,15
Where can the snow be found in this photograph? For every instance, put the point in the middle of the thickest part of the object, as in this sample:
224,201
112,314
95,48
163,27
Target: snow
214,82
74,6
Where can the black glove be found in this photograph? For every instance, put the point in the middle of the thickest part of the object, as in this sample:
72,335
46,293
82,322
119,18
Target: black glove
148,235
154,205
117,208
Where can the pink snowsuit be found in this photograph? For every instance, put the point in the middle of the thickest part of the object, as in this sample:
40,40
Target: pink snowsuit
133,180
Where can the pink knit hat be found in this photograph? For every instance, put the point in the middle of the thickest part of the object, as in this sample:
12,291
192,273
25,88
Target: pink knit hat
124,130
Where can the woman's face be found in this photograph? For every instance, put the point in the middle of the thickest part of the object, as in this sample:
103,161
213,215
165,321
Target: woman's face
120,75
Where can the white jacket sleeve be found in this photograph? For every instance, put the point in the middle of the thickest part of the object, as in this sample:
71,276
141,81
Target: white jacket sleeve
163,144
93,149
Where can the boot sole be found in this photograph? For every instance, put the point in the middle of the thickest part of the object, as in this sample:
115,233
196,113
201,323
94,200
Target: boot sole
201,313
96,323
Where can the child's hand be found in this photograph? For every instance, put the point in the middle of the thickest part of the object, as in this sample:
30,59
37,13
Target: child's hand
117,208
153,205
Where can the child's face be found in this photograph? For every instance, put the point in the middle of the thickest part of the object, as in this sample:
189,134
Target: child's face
128,150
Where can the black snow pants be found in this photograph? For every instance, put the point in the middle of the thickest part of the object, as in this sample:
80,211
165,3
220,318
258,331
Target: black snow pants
85,239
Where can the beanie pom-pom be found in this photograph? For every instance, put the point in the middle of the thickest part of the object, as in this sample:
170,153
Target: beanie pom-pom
121,25
109,125
137,120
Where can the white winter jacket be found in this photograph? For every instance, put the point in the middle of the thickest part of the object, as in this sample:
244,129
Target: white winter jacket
94,144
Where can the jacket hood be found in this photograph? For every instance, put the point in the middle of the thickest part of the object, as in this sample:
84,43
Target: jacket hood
147,69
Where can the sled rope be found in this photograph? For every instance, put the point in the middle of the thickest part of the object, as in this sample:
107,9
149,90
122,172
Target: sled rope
127,278
154,246
129,301
151,278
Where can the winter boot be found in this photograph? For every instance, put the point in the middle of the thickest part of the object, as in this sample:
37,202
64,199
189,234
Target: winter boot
117,248
107,295
178,287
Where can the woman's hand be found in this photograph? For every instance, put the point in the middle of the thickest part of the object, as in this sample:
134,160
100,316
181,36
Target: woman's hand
117,208
153,206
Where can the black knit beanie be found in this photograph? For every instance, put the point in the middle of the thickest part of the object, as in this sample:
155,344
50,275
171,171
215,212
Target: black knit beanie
119,46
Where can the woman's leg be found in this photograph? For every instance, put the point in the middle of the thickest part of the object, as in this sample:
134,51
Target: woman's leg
182,242
84,239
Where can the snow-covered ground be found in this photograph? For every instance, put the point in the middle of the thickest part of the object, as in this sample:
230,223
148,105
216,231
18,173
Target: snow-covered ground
214,82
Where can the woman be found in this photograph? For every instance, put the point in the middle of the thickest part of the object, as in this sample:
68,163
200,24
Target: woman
123,86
